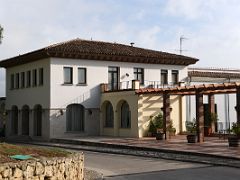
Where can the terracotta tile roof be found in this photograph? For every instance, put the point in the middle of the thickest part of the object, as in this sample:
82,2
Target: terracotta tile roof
97,50
213,74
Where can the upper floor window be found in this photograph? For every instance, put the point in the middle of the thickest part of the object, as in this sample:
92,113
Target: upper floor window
28,78
68,75
175,76
17,81
164,76
113,77
40,76
12,81
82,76
34,77
139,74
22,79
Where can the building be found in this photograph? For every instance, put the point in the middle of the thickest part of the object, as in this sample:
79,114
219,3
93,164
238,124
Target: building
55,91
2,115
224,103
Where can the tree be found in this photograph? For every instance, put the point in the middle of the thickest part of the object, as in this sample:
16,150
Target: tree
1,34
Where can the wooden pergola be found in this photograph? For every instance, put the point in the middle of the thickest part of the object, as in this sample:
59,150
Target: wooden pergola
198,91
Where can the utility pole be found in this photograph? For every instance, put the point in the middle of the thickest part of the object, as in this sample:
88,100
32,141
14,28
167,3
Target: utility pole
181,41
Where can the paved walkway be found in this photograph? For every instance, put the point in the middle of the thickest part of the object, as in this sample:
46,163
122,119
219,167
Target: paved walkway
211,146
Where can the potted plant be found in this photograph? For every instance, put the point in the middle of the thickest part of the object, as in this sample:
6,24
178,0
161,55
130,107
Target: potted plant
158,121
209,120
152,128
191,129
171,129
233,139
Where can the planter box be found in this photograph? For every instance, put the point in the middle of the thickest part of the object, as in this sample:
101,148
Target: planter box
233,141
191,138
159,136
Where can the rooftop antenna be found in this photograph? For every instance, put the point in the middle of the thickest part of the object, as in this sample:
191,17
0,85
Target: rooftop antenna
181,42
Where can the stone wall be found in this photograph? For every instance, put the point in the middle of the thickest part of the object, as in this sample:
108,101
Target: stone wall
70,167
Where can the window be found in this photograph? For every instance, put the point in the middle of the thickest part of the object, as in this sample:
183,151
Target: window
34,77
17,81
164,76
82,76
40,77
28,78
22,79
68,75
175,76
12,82
139,74
125,116
113,78
109,115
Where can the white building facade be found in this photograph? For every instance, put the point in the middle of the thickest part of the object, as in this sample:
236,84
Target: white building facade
55,91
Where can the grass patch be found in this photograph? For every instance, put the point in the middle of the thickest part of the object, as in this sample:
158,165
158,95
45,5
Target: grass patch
7,150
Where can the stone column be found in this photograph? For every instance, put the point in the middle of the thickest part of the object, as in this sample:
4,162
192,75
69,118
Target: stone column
238,105
166,114
211,106
200,117
135,84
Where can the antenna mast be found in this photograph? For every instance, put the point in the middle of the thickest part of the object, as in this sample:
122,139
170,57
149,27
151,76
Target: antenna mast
181,41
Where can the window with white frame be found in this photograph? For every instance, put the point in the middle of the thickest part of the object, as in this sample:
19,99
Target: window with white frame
139,74
82,76
40,76
28,79
68,75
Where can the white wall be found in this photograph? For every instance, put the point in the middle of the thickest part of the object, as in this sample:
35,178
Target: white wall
29,96
32,95
97,73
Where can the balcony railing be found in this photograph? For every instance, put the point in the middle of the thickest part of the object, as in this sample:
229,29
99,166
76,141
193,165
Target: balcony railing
125,85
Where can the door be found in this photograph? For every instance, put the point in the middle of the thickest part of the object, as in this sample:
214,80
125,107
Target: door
113,78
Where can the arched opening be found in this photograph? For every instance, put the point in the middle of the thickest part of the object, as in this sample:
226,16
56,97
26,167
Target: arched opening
75,114
37,120
108,115
25,120
14,120
125,115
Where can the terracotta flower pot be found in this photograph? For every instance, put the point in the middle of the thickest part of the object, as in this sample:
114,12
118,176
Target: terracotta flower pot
233,141
191,138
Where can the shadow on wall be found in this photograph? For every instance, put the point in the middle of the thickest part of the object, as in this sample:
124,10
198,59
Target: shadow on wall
58,118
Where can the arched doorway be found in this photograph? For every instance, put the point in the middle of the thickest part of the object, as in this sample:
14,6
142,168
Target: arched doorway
25,120
37,120
14,120
108,115
125,115
75,114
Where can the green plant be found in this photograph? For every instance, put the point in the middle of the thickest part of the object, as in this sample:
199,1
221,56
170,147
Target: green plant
155,122
236,129
170,127
152,128
191,126
158,121
210,118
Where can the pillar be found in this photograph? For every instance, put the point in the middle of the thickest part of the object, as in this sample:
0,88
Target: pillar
238,105
200,117
211,106
135,84
166,114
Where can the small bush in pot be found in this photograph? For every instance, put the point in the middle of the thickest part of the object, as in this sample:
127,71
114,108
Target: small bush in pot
191,130
233,139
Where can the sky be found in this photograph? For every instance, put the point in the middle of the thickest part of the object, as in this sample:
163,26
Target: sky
211,27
